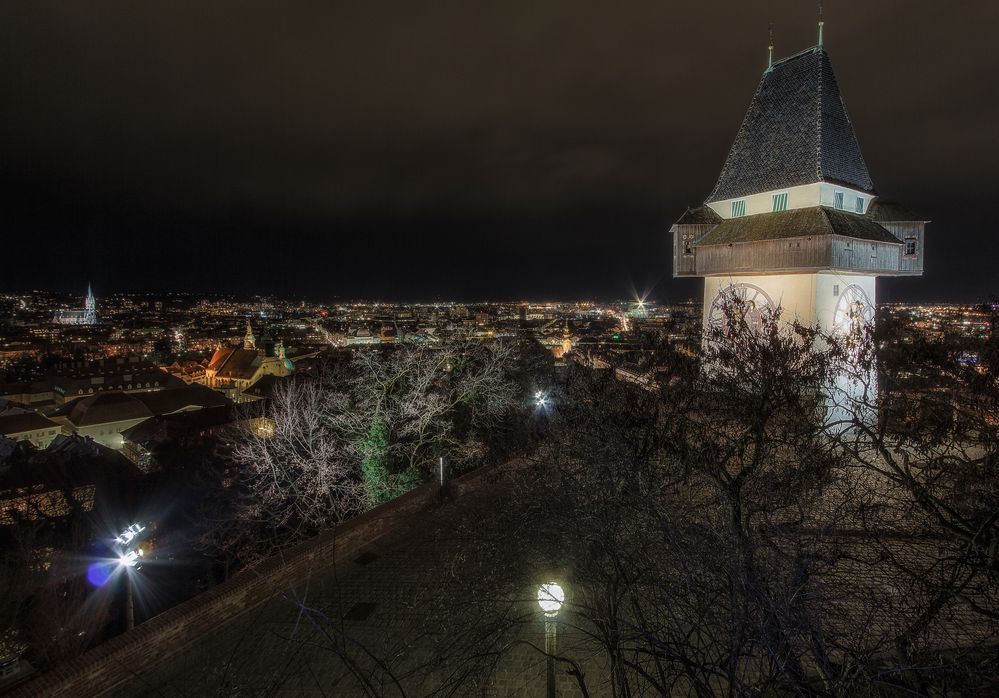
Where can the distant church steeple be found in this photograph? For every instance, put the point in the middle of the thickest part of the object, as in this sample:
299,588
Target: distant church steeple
89,307
249,341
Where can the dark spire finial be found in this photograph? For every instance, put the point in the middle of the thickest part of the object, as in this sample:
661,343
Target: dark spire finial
770,48
821,22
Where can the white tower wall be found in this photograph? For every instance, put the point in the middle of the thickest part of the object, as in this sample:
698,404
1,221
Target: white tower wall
812,299
840,304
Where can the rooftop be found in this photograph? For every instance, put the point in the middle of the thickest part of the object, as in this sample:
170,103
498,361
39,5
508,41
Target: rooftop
797,222
795,132
24,422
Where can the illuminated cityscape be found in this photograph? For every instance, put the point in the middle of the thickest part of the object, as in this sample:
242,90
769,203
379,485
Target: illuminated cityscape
520,350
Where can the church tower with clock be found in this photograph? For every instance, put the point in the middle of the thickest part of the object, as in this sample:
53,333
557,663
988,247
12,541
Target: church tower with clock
794,220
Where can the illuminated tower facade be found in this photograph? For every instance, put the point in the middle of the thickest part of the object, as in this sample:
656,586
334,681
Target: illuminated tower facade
794,220
87,316
566,339
90,308
249,341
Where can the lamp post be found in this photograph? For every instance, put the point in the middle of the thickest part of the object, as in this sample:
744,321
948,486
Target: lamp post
129,560
551,596
540,399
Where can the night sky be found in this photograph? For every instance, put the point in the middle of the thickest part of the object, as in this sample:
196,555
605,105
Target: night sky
453,149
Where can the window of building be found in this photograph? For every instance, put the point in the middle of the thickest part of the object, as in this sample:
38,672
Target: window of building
780,201
838,200
835,289
688,244
910,247
738,208
874,251
860,204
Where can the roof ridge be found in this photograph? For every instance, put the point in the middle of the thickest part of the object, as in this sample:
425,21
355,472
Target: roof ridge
799,54
818,122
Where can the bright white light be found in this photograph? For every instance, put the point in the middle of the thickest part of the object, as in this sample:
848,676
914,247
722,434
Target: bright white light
129,534
131,559
550,598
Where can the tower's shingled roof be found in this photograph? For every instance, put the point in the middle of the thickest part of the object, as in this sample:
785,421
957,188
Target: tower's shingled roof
795,132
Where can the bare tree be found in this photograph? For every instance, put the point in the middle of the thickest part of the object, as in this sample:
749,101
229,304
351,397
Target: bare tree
931,463
718,531
298,477
721,535
432,399
348,438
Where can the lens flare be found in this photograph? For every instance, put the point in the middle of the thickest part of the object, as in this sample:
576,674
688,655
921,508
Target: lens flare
100,572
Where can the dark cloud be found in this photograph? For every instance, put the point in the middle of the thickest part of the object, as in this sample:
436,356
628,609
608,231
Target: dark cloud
442,149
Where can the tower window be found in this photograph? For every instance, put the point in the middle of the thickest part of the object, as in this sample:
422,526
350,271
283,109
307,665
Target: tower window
780,201
838,200
738,208
860,204
688,244
835,289
910,247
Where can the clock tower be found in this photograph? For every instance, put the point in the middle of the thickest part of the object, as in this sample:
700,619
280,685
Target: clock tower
794,220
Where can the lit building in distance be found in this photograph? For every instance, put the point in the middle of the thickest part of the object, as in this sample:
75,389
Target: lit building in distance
231,370
87,316
794,220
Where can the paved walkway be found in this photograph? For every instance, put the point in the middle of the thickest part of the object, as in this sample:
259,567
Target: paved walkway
419,611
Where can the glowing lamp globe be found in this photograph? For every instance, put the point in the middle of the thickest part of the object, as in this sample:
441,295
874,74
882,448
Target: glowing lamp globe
550,598
133,558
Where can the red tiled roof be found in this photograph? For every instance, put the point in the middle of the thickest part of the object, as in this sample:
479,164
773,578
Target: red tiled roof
234,363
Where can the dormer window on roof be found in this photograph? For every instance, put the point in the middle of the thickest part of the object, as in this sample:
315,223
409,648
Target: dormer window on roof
738,208
838,199
780,201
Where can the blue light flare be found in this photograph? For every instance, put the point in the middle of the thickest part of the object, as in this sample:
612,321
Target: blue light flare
100,572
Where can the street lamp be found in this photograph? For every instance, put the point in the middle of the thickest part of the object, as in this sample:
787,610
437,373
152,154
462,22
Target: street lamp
541,400
129,534
551,596
129,559
133,558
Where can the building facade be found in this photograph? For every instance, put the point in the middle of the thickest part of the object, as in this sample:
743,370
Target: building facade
232,371
87,316
794,220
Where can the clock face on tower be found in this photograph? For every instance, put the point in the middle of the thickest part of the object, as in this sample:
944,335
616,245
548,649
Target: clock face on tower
749,301
854,312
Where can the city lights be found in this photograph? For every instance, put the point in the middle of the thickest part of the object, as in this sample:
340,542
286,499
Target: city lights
427,348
